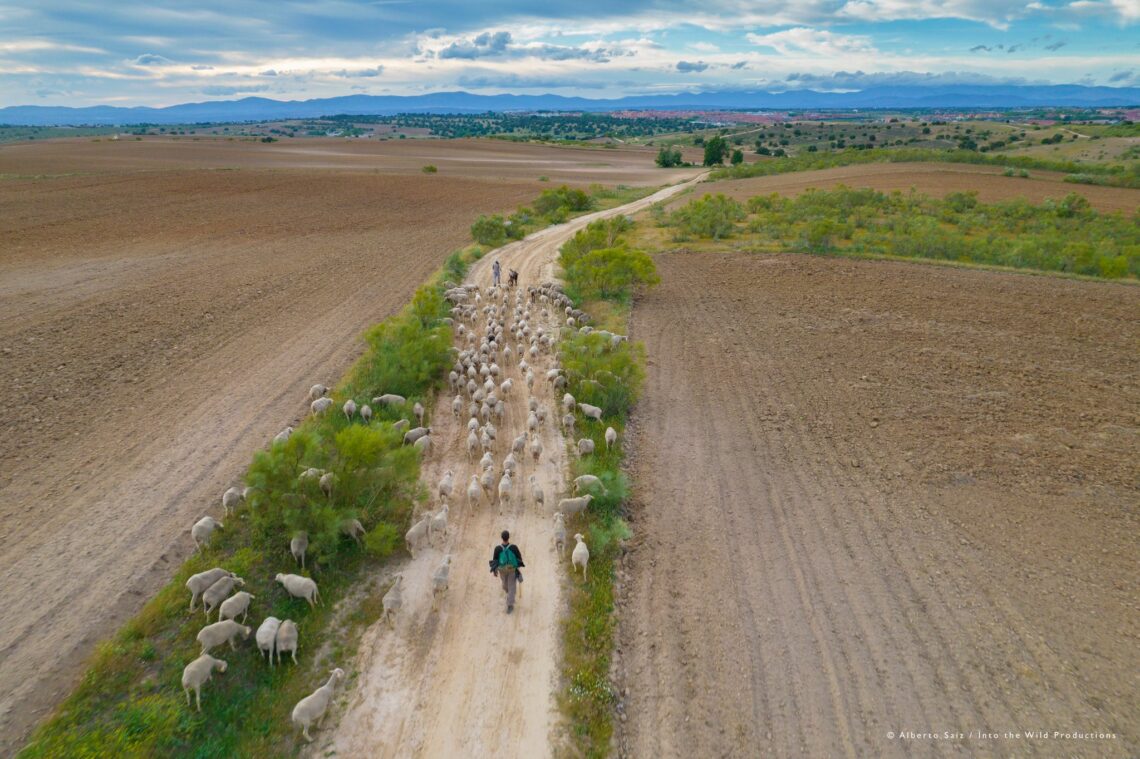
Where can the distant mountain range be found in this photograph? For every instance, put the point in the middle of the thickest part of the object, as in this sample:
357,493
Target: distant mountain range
261,109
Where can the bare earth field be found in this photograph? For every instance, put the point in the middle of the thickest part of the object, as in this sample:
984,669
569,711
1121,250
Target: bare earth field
161,319
935,179
877,497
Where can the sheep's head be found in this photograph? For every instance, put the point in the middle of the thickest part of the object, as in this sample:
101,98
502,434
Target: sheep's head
220,665
578,537
245,632
238,580
588,499
279,578
559,516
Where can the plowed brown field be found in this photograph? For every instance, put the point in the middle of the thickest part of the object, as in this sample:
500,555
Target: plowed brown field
875,498
935,179
160,320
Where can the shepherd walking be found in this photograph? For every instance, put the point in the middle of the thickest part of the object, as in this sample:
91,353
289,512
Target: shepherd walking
497,272
505,564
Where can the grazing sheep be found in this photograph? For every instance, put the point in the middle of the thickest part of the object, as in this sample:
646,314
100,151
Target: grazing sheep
328,479
202,530
439,581
568,402
300,587
266,636
581,554
417,533
298,545
236,604
349,409
588,481
352,528
283,435
611,437
423,445
313,707
320,406
246,493
592,412
317,391
390,399
474,491
394,600
536,449
438,523
230,500
569,422
411,436
418,410
197,584
505,488
366,413
560,533
197,673
585,446
287,637
219,591
219,632
400,424
572,506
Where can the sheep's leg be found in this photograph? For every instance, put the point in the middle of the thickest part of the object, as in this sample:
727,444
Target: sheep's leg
187,691
198,695
294,655
306,732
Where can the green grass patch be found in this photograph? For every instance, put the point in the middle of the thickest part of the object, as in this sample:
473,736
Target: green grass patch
1064,235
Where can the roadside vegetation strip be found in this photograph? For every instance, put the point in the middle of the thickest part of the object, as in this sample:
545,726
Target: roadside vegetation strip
1115,175
1056,236
601,275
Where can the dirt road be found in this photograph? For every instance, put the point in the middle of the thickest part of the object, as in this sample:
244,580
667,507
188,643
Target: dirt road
876,497
469,679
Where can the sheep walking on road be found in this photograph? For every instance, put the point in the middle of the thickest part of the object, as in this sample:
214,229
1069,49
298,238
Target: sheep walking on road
315,706
560,533
394,600
439,581
581,554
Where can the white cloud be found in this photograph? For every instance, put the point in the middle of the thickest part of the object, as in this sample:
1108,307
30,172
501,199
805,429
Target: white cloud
814,41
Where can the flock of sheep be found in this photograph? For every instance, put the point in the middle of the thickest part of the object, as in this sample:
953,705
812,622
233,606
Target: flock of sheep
485,328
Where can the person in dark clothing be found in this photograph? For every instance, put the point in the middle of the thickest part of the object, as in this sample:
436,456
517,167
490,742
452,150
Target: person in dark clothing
506,562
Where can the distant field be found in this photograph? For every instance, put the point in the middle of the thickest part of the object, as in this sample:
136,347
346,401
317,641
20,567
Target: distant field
930,178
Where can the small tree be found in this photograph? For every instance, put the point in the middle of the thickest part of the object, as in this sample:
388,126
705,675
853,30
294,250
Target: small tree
715,150
737,157
489,230
667,157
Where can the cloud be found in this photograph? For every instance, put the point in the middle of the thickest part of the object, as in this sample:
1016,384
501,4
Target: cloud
739,65
484,45
217,90
352,74
1014,48
802,40
1054,47
267,72
858,80
201,67
1122,76
980,49
996,13
496,80
151,59
686,67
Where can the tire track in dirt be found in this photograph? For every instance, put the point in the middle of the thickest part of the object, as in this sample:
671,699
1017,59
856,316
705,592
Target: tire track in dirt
469,679
819,585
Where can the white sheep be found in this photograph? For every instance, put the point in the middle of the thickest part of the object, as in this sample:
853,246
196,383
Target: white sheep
588,481
439,581
572,506
457,406
349,409
423,445
487,461
505,488
536,491
505,387
592,412
474,491
400,424
418,410
300,587
438,523
328,479
519,444
417,533
197,584
390,399
611,437
283,435
585,446
536,449
266,636
446,484
197,673
472,443
394,600
230,500
317,391
298,546
286,640
219,632
353,529
320,406
313,707
560,533
236,604
219,591
366,413
202,530
581,554
411,436
568,402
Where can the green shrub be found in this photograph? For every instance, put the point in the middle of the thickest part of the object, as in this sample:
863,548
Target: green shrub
560,202
489,230
429,169
712,216
668,157
611,273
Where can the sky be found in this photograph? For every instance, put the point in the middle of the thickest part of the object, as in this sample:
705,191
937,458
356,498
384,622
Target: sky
164,52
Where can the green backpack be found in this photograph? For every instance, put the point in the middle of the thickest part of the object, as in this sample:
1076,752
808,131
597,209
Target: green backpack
507,558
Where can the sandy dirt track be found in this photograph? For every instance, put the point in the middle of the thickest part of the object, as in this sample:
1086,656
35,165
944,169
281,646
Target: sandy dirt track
469,680
875,497
158,324
936,179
